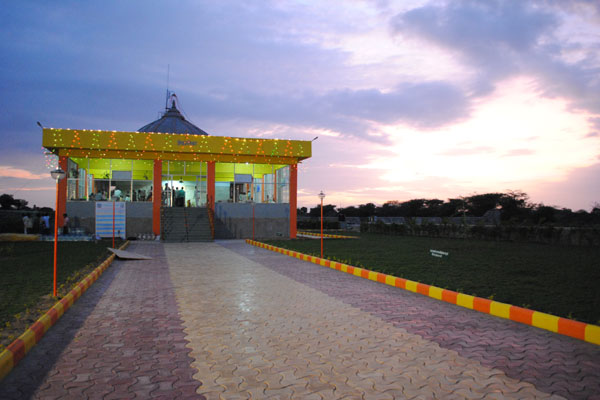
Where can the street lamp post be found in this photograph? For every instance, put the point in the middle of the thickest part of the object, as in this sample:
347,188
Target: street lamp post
321,196
57,175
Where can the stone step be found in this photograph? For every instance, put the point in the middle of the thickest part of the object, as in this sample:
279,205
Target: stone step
181,224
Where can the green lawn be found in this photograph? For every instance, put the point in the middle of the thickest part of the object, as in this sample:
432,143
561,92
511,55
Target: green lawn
26,270
560,280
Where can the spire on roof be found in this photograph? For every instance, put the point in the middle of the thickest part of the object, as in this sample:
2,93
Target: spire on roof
172,121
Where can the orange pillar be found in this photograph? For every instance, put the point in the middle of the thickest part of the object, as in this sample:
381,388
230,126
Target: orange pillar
210,184
293,199
156,196
61,208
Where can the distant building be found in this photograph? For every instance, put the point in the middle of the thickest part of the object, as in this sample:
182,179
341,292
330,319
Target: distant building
235,178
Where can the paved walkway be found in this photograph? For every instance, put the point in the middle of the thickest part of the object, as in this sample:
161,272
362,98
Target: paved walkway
228,320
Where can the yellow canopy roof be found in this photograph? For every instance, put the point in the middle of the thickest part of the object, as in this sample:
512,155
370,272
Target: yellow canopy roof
169,146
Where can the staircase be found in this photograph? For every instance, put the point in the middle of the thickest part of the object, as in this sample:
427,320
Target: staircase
185,224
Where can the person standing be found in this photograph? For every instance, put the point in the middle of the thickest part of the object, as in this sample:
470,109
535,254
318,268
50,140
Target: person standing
117,194
177,197
45,224
167,193
197,196
181,197
65,224
27,224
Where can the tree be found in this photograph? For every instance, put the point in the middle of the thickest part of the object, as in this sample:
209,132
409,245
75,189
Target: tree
349,211
432,207
22,204
543,214
451,208
478,204
328,211
7,201
388,209
366,210
514,205
412,208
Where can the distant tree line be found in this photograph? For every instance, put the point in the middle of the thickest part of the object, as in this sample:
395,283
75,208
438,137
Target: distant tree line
514,207
8,202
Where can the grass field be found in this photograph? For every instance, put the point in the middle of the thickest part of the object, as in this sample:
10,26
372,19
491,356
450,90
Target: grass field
560,280
26,271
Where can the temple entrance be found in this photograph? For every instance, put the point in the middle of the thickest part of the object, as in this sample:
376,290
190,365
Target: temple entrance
184,184
183,191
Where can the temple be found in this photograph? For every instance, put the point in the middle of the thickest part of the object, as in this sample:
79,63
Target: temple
170,175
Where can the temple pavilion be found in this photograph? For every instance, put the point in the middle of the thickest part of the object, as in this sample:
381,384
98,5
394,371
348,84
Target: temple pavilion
246,186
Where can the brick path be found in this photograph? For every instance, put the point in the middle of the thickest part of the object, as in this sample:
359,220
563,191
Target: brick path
122,339
553,363
228,320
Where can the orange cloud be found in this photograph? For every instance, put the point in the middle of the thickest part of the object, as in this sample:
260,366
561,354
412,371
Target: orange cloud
11,172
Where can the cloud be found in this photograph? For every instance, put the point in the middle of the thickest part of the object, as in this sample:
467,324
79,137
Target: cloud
519,152
30,189
467,151
426,104
6,171
348,112
502,39
579,190
78,65
594,122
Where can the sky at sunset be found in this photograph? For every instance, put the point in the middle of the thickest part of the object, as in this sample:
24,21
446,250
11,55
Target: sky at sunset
409,99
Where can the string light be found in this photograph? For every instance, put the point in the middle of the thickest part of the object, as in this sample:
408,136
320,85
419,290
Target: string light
50,159
161,146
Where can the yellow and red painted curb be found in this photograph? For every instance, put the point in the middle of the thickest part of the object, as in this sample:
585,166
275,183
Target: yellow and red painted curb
564,326
327,235
15,351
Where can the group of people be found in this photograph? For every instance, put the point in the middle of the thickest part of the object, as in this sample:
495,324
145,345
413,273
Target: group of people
175,197
44,224
117,195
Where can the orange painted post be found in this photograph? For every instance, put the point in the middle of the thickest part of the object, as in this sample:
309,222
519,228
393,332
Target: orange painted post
293,199
85,180
321,196
61,208
113,224
156,196
252,221
210,184
55,237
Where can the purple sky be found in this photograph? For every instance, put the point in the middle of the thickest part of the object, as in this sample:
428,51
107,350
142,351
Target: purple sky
409,99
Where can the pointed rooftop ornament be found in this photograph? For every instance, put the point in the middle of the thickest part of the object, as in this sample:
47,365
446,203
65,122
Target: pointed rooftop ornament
172,121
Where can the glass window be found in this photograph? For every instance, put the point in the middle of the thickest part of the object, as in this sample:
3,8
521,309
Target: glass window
283,185
106,179
100,190
186,179
76,180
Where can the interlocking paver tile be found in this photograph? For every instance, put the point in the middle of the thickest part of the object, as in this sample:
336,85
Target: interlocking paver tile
517,351
227,320
113,341
238,310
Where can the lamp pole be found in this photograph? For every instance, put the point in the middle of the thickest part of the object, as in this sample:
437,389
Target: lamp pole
57,175
321,196
113,237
